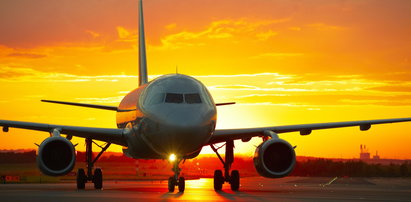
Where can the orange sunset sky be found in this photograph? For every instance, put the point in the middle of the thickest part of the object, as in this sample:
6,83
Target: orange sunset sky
283,62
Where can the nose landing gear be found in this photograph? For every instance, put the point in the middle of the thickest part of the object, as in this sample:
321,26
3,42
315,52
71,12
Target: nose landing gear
175,180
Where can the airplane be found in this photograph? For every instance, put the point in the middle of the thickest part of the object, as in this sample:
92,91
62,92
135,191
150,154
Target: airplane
171,117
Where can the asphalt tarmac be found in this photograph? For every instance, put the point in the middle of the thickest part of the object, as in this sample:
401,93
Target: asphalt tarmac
252,189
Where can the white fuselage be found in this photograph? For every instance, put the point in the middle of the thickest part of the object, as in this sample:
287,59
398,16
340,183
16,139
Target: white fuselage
173,114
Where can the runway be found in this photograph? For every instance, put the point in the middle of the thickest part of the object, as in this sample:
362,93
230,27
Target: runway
252,189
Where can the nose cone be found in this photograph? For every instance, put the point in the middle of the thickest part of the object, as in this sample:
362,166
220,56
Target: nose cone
181,131
185,118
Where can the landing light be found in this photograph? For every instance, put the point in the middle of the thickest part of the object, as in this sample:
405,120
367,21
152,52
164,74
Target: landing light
172,157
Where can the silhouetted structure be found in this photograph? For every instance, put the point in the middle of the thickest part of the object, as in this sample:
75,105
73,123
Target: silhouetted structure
351,168
376,156
364,153
203,166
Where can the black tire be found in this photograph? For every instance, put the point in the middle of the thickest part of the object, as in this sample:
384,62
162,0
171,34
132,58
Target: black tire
171,184
181,184
218,180
235,180
98,178
81,179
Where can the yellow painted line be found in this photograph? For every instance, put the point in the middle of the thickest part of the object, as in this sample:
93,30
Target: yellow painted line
330,182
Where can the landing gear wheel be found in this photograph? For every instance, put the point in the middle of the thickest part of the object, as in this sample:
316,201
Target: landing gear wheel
98,178
181,184
81,179
218,180
171,184
235,180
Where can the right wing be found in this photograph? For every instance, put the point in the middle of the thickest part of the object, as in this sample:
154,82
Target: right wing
304,129
116,136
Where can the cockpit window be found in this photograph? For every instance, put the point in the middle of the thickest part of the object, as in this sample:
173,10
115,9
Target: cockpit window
174,98
192,98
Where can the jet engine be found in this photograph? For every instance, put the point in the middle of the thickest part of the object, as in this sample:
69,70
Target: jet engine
274,158
56,156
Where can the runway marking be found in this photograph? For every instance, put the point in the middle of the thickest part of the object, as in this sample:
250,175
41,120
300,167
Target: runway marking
309,189
330,182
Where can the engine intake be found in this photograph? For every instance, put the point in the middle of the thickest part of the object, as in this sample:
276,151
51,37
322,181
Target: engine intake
274,158
56,156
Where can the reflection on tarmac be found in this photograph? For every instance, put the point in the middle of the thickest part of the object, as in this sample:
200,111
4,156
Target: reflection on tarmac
252,189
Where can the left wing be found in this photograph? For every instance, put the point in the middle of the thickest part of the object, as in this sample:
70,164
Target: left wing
105,107
304,129
115,136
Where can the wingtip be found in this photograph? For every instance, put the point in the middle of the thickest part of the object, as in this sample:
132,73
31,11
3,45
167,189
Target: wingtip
47,101
225,103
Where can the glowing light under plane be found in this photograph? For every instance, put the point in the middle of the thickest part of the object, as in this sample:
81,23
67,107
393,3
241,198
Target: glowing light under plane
171,117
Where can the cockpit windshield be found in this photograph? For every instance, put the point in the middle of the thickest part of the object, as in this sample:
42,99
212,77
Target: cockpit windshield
176,89
190,98
174,98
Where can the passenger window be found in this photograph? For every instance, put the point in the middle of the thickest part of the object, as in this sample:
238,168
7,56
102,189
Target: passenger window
174,98
192,98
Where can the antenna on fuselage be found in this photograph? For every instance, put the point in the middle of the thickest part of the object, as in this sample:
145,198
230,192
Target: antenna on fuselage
142,60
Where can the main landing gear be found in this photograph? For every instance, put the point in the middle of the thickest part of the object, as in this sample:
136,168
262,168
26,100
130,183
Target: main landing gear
219,178
97,178
175,180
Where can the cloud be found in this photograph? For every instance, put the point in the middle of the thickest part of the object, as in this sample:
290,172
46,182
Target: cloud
255,88
126,40
273,104
21,74
393,88
26,55
122,32
102,100
28,23
266,35
398,77
276,75
295,28
16,72
314,99
240,87
276,55
93,34
324,27
180,40
171,26
381,102
221,29
261,95
306,90
275,88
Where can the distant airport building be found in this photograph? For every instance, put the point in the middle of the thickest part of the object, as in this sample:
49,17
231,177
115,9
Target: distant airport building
376,156
376,159
364,154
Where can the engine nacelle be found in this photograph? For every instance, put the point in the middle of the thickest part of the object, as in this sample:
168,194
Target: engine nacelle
56,156
274,158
